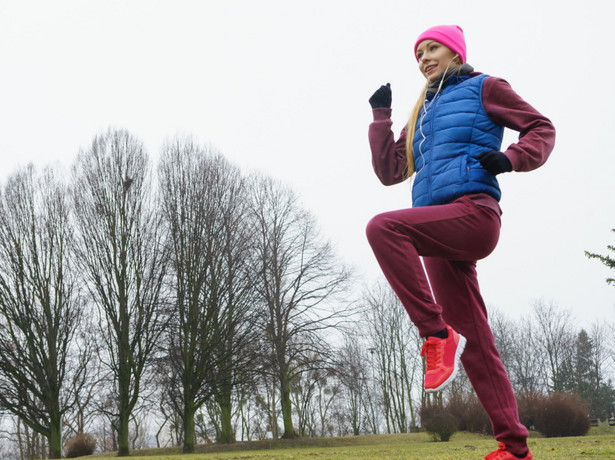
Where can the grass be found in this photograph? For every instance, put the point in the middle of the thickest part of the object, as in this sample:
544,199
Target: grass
598,444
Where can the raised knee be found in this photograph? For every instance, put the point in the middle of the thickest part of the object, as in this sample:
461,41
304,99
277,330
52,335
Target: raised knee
375,227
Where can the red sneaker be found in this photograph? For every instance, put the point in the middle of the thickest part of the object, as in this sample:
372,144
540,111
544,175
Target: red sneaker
442,359
503,454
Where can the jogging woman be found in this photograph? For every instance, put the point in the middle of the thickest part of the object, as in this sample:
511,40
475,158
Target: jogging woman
451,149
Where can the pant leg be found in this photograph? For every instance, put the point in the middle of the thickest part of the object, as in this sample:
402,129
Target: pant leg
461,230
455,287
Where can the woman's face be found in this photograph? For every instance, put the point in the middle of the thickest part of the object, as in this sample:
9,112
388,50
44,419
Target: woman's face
433,58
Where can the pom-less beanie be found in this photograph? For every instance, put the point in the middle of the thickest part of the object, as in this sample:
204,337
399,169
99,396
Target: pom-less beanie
451,36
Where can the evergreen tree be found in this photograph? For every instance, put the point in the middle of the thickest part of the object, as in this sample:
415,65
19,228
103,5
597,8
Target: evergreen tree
584,376
606,260
587,378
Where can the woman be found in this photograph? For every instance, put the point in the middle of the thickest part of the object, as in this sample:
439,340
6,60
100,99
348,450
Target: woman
451,148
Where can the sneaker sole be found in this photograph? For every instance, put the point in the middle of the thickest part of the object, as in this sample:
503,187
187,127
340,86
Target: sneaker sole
460,347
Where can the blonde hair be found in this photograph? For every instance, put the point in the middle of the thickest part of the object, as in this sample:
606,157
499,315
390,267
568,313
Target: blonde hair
411,129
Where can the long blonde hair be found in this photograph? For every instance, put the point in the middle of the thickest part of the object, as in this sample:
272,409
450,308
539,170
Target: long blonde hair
411,129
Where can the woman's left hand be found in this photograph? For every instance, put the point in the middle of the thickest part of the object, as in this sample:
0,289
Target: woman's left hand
495,162
382,97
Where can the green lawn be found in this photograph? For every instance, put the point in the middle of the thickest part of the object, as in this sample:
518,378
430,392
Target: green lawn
599,444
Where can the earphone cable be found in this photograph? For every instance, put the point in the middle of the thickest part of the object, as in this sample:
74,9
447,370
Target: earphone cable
425,108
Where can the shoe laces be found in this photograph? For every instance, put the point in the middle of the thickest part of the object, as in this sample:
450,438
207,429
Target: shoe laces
432,351
500,453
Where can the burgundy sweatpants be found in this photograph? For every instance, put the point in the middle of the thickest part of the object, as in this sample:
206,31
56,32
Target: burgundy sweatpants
451,238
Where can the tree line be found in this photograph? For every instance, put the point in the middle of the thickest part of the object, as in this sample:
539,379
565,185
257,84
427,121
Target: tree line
186,302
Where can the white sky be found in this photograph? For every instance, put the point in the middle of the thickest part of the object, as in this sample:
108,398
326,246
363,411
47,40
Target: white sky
282,87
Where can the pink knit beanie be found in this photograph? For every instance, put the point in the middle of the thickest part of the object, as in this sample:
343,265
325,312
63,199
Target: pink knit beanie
451,36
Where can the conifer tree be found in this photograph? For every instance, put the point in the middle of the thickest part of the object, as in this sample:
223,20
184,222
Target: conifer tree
606,260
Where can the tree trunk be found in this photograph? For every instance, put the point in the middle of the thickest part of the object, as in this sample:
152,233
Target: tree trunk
223,398
289,430
189,428
123,449
227,436
123,441
124,374
55,436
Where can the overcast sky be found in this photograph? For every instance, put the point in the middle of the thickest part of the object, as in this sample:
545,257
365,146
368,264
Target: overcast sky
282,87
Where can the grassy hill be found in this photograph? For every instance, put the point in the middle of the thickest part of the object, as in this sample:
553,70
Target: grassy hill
599,444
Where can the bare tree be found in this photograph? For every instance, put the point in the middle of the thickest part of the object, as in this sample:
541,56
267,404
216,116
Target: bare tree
517,344
232,292
205,208
527,366
555,340
40,306
357,378
121,260
602,362
314,395
266,398
23,442
297,280
396,348
87,385
502,328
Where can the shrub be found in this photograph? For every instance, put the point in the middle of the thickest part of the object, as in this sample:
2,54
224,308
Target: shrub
439,423
79,445
562,414
529,404
470,413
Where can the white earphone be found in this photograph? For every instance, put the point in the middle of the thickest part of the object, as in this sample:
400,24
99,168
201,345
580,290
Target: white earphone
425,108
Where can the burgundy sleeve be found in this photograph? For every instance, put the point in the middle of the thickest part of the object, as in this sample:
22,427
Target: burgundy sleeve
388,155
536,132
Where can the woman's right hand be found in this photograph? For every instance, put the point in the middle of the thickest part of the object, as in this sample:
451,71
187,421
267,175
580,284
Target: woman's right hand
382,97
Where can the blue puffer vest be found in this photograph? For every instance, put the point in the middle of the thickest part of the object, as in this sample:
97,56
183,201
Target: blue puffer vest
456,129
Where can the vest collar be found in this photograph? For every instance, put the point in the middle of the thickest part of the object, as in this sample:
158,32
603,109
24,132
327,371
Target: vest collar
451,76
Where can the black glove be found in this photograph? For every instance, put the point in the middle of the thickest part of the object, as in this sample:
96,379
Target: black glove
495,162
382,97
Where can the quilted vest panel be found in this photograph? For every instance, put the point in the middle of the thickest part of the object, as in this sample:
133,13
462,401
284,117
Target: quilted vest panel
449,136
